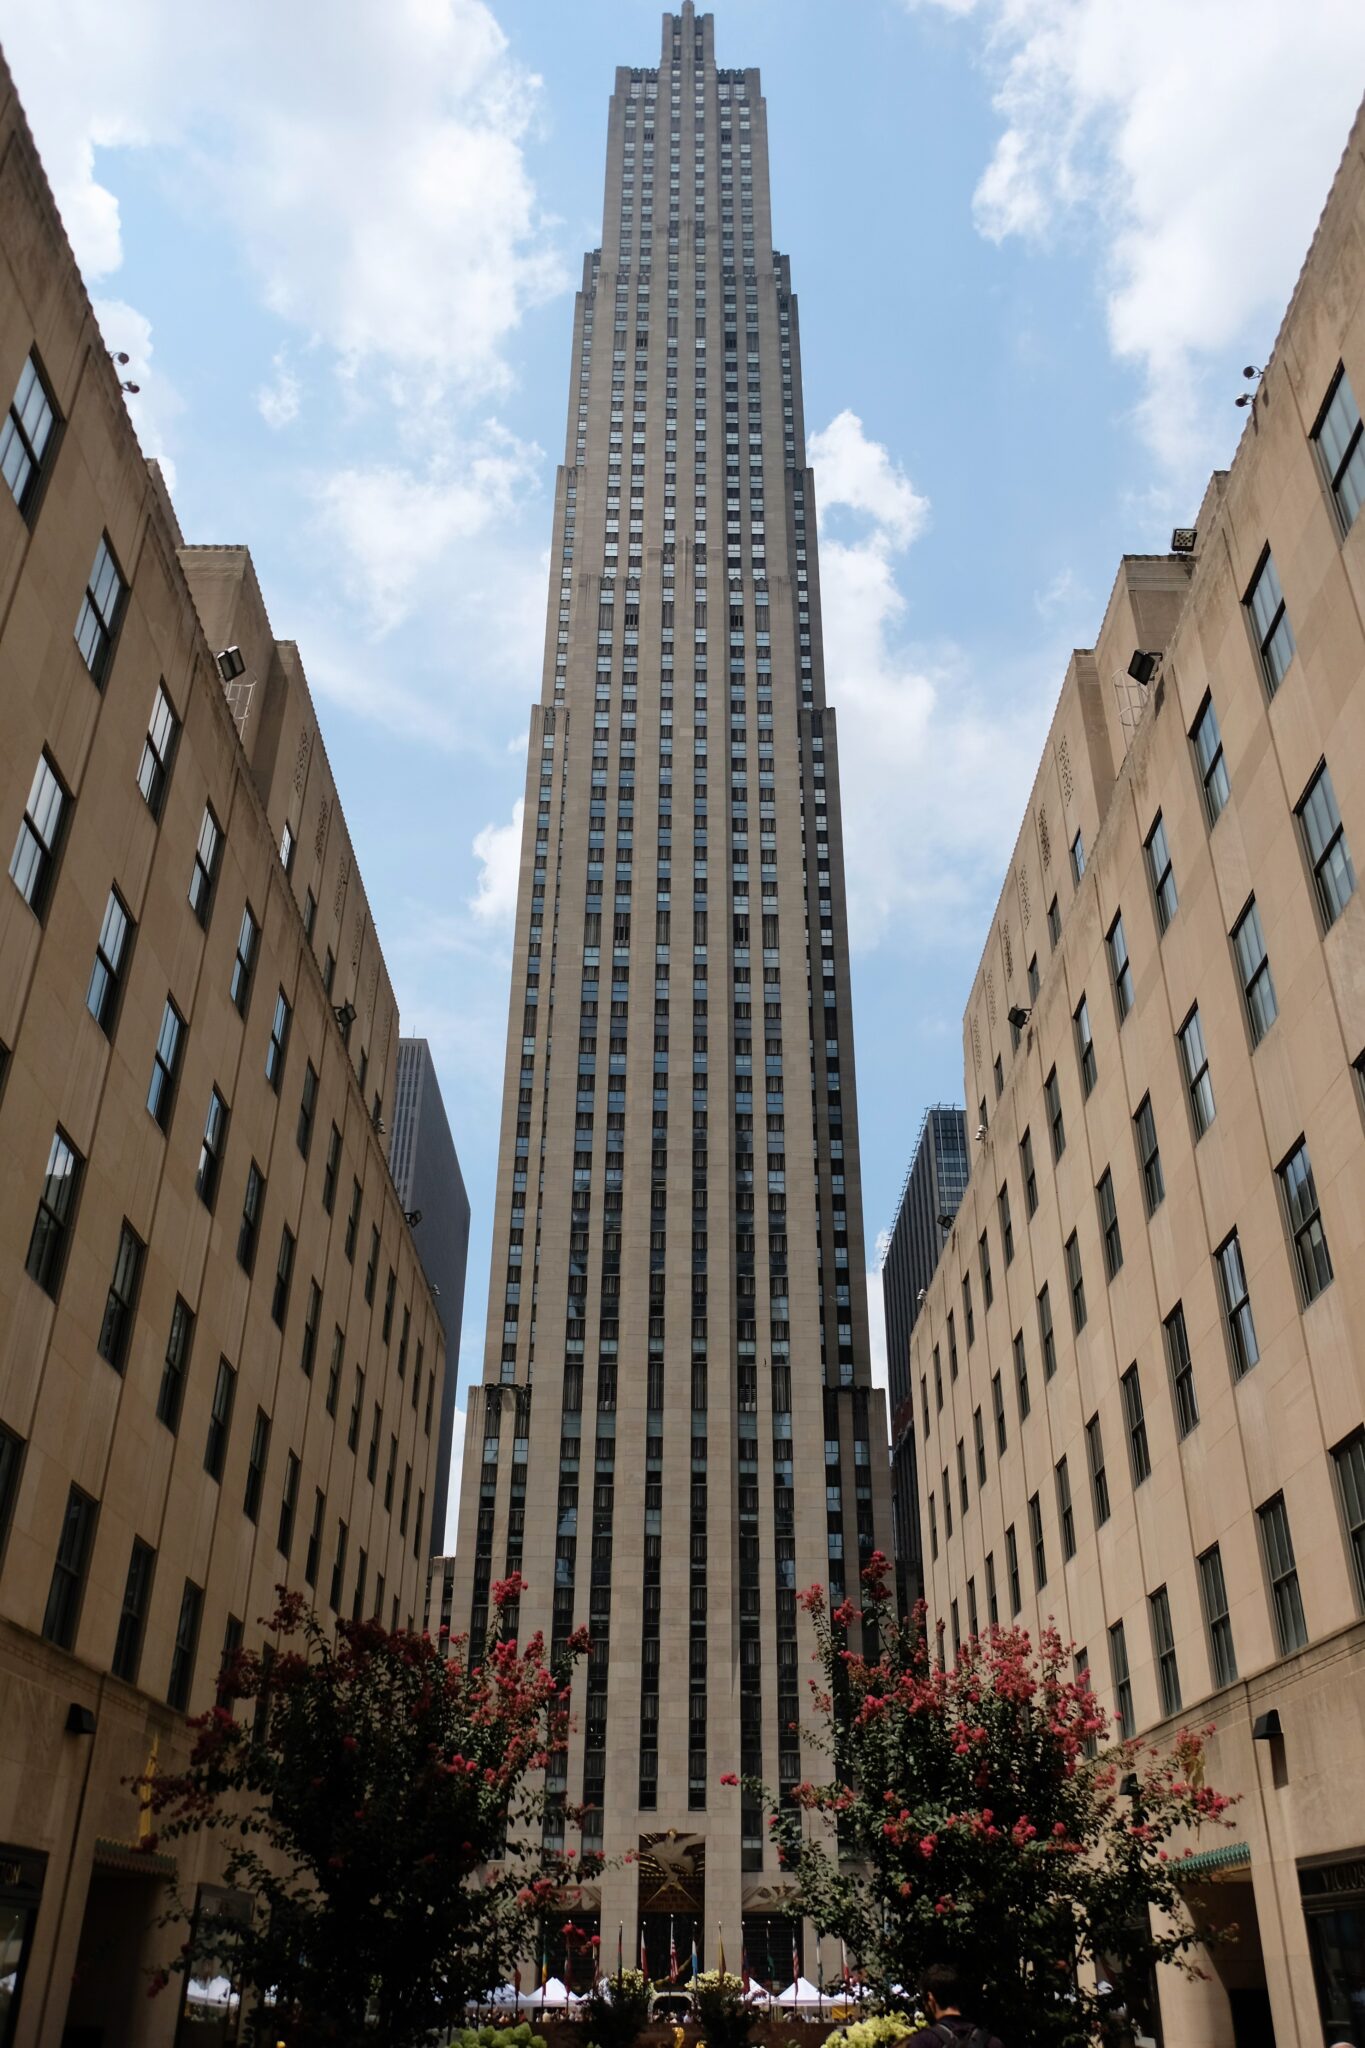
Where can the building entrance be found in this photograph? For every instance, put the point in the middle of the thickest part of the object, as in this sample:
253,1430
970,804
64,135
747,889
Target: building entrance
1333,1895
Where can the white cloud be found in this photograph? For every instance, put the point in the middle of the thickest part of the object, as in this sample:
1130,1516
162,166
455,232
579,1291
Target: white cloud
156,404
373,172
399,528
1198,142
876,1323
456,1469
934,772
498,851
278,402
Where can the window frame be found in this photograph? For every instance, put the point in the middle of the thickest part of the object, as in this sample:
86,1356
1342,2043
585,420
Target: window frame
277,1045
185,1649
212,1145
54,1222
220,1419
138,1583
1150,1170
1334,474
1260,1004
18,430
1028,1173
105,1007
1066,1511
1350,1488
1198,1079
1163,1651
1135,1426
1213,771
153,780
70,1569
1217,1624
1098,1472
1330,903
244,961
1056,1122
249,1229
1121,1677
1111,1238
166,1059
175,1364
45,835
1120,967
120,1307
1282,1576
1075,1282
1161,873
208,859
1263,640
100,619
1180,1367
1239,1324
1308,1274
1085,1047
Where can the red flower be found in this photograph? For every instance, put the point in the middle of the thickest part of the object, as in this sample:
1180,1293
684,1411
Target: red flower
729,1778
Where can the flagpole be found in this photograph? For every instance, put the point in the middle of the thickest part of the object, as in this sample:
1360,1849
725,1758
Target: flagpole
620,1954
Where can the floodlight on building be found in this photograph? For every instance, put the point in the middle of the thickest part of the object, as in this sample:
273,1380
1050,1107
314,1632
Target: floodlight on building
1019,1016
1183,539
231,663
1247,398
345,1014
1250,370
980,1132
1266,1727
1143,665
80,1720
412,1217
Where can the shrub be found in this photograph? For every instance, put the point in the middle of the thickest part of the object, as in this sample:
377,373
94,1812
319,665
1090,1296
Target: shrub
617,2009
721,2009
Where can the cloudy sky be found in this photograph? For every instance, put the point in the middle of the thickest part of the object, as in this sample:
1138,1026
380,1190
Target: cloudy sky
1034,241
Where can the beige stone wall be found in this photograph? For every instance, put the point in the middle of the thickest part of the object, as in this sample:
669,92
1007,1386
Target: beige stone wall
1274,1429
80,1420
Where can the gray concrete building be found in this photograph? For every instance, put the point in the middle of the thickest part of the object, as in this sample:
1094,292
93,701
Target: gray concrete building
677,1330
930,1194
1141,1363
426,1174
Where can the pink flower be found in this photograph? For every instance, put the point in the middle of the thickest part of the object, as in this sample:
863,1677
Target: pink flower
729,1778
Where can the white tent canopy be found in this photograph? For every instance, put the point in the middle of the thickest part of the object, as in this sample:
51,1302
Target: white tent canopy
802,1992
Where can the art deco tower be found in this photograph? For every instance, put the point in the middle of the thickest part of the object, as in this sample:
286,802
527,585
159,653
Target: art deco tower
676,1429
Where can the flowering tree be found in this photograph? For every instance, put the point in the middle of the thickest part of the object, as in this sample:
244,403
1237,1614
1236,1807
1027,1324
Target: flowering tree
362,1804
968,1821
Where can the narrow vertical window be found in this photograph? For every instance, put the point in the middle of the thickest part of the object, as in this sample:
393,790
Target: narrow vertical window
284,1275
1046,1335
239,988
329,1170
1066,1513
1029,1173
998,1411
1182,1371
1213,1598
1298,1190
26,436
47,1245
1207,741
1109,1224
132,1621
1139,1455
255,1466
33,864
310,1566
175,1365
69,1569
1120,967
220,1420
165,1065
1002,1202
1054,924
987,1285
1324,839
186,1646
311,1318
248,1230
116,1324
1085,1046
1012,1568
1123,1682
992,1597
1099,1478
1232,1285
1337,438
11,1465
308,1103
1021,1387
1282,1574
207,852
1077,859
1149,1157
1075,1281
289,1500
112,949
1163,1648
979,1444
278,1041
158,751
1253,966
211,1150
1162,874
1057,1129
101,610
1270,627
1195,1060
1348,1462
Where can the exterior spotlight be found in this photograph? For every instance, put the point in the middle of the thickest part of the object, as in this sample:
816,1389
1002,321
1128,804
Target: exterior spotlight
1266,1727
1250,370
131,389
980,1132
1129,1786
1019,1016
412,1217
345,1014
1143,666
1247,398
1183,539
80,1720
945,1222
119,356
920,1296
231,663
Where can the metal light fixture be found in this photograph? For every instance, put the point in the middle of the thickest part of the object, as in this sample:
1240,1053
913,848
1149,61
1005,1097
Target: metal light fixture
980,1132
231,663
345,1014
1019,1016
1183,540
412,1217
1266,1727
80,1720
1129,1786
1144,665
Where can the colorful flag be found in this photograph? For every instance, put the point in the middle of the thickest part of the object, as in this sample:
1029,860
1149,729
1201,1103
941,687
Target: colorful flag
796,1960
644,1952
672,1953
744,1977
696,1966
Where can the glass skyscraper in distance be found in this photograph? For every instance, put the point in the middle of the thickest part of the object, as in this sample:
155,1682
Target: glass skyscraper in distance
676,1428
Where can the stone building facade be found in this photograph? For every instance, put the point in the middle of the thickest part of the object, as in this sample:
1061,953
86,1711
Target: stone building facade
220,1363
1139,1373
676,1427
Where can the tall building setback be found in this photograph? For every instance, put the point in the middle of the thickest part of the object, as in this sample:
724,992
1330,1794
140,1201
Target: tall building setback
220,1363
933,1188
431,1192
677,1329
1156,1430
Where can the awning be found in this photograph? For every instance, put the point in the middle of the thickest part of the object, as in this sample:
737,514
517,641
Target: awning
127,1857
1226,1857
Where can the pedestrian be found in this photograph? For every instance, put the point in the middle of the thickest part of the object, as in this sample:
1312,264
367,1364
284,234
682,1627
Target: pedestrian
944,1993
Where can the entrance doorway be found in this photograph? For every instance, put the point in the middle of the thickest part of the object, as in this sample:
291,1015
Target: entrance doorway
1333,1894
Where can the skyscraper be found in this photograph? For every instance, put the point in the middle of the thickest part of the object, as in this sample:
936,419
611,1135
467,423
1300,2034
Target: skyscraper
934,1182
677,1334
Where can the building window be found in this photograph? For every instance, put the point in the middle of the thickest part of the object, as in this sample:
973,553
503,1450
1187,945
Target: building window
248,1229
288,845
1270,626
947,1504
933,1527
220,1420
68,1570
1135,1421
987,1285
952,1356
352,1222
312,1318
1195,1059
390,1290
1120,967
1324,838
1099,1478
372,1264
1348,1460
1123,1682
1066,1513
279,1039
964,1497
329,1171
165,1065
1182,1371
1163,1648
137,1593
1021,1375
1282,1574
998,1410
1075,1281
1161,872
1109,1224
101,609
1253,965
207,853
992,1598
1029,1173
289,1500
308,1102
357,1406
239,987
1085,1047
1035,1530
27,436
116,1324
186,1646
310,912
1012,1567
310,1566
1336,436
211,1150
1045,1332
979,1443
255,1466
329,968
1300,1194
1002,1202
1149,1156
158,751
1033,986
967,1315
111,959
175,1365
1054,924
338,1569
284,1274
1077,859
334,1369
33,863
1052,1094
47,1244
1207,741
1232,1284
1213,1597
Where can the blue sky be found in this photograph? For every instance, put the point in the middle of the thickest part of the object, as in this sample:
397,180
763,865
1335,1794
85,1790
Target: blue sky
1033,240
